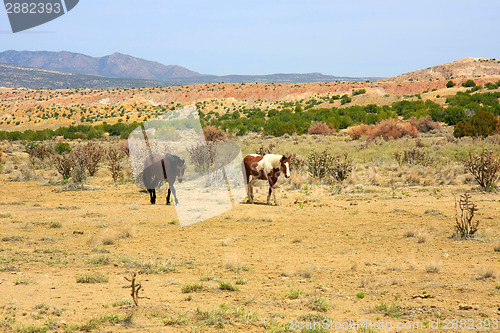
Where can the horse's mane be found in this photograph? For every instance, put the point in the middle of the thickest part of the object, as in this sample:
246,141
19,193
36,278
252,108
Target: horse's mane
269,162
176,158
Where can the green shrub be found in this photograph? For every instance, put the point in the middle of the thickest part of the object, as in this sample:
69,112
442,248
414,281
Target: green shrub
481,124
469,84
344,99
62,147
490,86
450,84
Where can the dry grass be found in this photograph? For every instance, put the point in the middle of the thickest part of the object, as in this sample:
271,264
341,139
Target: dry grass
433,267
487,273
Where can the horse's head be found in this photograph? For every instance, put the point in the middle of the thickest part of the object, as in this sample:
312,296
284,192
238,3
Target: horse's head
285,165
181,166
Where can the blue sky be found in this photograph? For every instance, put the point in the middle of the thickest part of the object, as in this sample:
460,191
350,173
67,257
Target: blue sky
352,38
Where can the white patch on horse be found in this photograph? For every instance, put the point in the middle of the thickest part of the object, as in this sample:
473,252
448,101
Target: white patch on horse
269,162
254,155
287,169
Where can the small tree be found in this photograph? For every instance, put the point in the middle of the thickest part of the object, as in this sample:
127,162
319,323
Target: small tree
341,168
484,168
344,99
214,134
62,147
450,84
114,156
469,84
92,155
465,209
64,164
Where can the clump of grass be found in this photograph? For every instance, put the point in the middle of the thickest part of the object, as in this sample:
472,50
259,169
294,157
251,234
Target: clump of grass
360,295
191,287
47,239
319,304
153,267
306,272
410,234
487,273
223,285
241,282
99,261
293,294
5,215
236,266
209,277
55,225
100,250
108,241
22,281
173,222
13,238
433,267
92,278
123,302
389,310
179,321
422,236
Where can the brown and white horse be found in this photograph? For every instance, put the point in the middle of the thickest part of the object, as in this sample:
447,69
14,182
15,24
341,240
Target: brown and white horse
267,167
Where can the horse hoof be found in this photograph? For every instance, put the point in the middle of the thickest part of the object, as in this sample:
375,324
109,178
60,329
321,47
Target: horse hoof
168,203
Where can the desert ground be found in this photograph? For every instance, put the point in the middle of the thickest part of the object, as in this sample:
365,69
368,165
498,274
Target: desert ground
378,247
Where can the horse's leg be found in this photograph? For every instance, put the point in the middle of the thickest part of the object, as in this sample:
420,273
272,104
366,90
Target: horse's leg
171,186
272,183
152,196
270,190
274,194
168,196
250,191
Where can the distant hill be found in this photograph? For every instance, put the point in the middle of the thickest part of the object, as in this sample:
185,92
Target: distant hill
12,76
466,68
115,65
64,65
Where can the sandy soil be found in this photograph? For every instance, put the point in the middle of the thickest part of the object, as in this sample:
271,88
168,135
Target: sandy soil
376,253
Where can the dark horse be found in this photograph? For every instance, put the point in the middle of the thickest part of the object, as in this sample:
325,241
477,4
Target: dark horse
267,167
158,168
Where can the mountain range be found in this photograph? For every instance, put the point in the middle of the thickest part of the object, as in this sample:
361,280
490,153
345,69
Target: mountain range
44,69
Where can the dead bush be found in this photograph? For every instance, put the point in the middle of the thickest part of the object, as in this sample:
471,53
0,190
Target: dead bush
465,209
358,131
64,164
266,150
36,151
342,167
89,156
389,128
114,156
297,163
319,164
214,134
323,165
425,124
200,156
413,156
320,128
484,168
